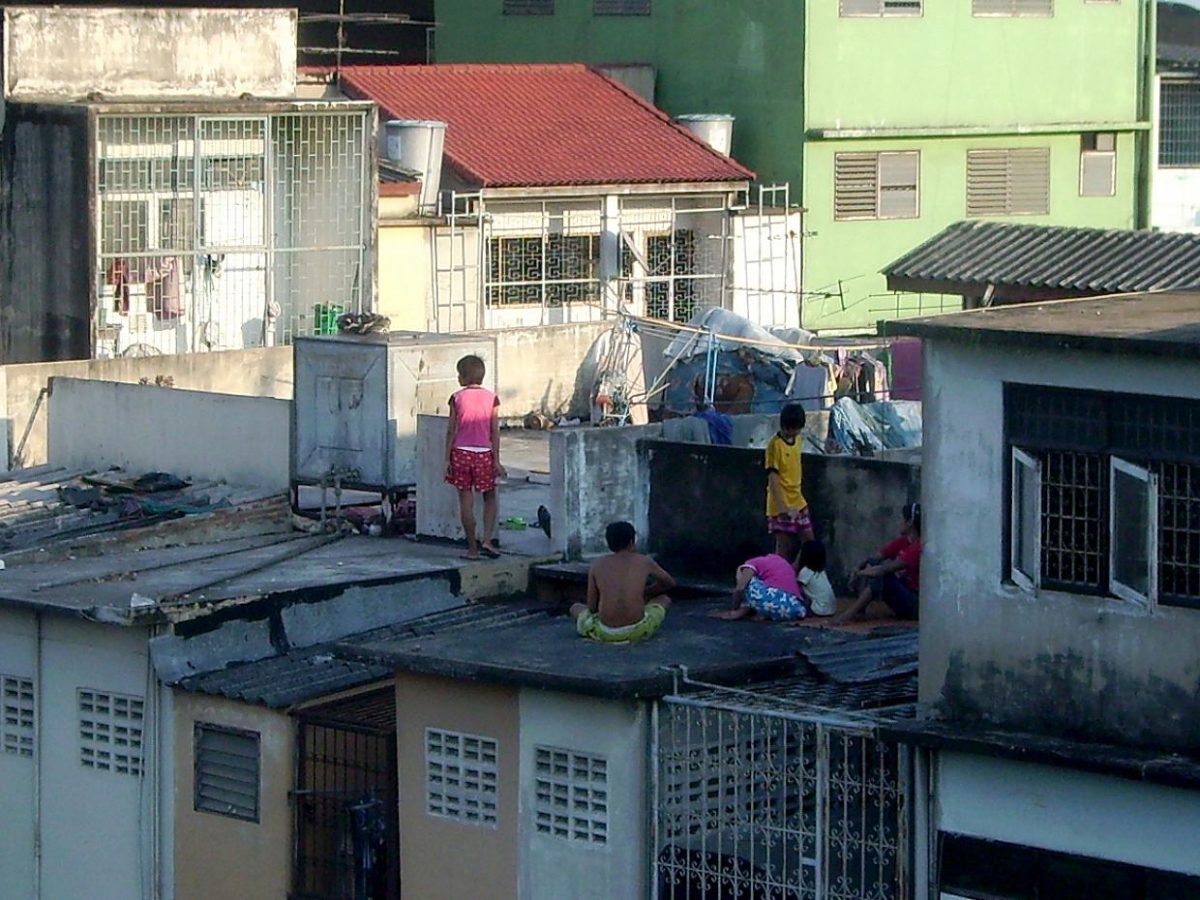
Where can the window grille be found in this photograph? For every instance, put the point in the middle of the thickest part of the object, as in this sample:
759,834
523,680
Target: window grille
571,795
849,8
1098,165
16,715
461,777
226,771
876,185
621,7
1118,479
553,270
528,7
1008,182
1179,123
1012,7
110,731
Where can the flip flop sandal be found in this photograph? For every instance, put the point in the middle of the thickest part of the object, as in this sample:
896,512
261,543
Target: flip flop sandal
489,552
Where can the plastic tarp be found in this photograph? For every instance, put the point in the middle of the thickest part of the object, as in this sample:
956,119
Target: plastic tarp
867,428
726,323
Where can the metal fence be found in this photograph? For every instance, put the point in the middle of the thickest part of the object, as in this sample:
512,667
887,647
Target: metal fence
223,232
767,801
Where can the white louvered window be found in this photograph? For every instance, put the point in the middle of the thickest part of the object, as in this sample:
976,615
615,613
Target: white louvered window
876,185
848,8
571,795
461,777
621,7
110,731
1098,165
16,715
528,7
226,764
1008,182
1012,7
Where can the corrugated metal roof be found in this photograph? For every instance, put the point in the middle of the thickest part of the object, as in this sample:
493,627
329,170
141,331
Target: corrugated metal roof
868,660
542,125
967,257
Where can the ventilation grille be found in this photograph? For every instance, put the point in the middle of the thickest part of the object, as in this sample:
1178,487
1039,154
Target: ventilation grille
1008,182
571,795
876,185
621,7
528,7
110,732
16,716
880,8
226,771
461,777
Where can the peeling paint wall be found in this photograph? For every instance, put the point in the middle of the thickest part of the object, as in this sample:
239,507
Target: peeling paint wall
69,52
1085,667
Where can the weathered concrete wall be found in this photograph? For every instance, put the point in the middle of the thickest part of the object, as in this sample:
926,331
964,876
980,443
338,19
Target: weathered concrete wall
437,505
68,52
1091,667
255,857
262,372
242,440
45,235
706,501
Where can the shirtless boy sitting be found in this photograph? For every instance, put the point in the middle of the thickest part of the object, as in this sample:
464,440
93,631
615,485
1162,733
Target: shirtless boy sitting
626,592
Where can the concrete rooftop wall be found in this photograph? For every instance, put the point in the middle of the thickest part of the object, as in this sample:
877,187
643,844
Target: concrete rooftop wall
241,440
69,52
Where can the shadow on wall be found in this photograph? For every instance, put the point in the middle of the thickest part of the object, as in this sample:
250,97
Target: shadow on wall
705,501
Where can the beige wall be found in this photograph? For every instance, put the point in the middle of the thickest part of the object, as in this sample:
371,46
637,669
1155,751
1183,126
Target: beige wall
441,857
546,369
262,372
405,271
218,856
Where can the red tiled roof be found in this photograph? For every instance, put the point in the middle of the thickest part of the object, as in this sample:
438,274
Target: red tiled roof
542,125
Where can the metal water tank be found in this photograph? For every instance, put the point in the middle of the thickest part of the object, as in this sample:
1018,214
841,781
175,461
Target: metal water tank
418,145
357,398
715,129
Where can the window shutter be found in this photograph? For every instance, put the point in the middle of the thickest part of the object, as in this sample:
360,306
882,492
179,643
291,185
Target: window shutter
1033,7
226,772
899,174
1132,532
860,7
1097,173
1012,7
855,185
1008,182
528,7
901,7
1025,526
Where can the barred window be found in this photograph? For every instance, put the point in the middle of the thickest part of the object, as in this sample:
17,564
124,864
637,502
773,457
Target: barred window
1014,182
1104,493
848,8
553,270
1179,123
876,185
1012,7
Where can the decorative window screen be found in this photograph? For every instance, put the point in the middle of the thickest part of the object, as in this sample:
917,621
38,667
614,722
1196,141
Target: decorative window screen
1098,165
1008,182
876,185
621,7
226,778
16,715
461,777
849,8
571,795
1012,7
528,7
110,731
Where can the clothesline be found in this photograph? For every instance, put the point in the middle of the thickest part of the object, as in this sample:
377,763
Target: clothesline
669,327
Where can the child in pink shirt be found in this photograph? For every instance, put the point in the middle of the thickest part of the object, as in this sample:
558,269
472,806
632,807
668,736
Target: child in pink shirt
473,454
767,587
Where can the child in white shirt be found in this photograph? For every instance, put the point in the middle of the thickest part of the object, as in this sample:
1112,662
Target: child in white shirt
814,583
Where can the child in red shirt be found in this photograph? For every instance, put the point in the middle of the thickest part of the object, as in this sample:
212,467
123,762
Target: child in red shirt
473,454
894,576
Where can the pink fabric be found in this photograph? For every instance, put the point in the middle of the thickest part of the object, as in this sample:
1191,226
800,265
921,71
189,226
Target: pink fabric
474,406
775,571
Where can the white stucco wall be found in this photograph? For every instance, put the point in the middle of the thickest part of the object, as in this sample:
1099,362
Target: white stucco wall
1068,811
555,868
1021,659
1176,200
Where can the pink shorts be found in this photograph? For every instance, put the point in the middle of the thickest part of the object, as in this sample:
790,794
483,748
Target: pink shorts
785,525
472,470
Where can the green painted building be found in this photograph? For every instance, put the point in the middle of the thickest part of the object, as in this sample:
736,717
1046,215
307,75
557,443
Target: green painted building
893,117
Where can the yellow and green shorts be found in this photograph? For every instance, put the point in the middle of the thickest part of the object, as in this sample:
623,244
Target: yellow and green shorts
589,626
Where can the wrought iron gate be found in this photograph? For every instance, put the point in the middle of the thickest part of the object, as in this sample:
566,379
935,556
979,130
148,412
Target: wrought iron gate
755,802
346,813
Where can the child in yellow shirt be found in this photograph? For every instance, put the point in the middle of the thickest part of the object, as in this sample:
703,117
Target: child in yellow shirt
788,517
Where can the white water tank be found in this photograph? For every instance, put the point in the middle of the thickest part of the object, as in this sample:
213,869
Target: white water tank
715,129
417,145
